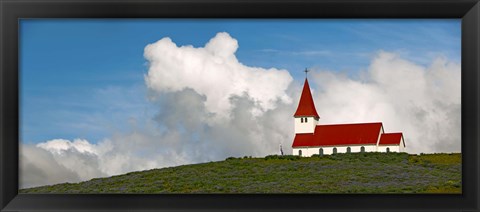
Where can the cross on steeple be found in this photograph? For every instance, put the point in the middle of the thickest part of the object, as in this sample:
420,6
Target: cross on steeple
306,71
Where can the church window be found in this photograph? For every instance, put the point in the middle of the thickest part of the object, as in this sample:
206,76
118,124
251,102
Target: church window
300,152
388,149
334,150
349,150
362,149
301,119
306,120
320,151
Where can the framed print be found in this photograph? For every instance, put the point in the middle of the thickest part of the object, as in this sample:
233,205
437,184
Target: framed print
210,105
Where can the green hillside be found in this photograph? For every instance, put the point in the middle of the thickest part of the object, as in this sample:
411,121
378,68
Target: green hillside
340,173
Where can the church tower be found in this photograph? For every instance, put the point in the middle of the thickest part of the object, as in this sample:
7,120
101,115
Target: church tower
306,116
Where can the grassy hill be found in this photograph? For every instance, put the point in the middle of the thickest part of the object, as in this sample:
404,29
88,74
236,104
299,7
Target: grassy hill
340,173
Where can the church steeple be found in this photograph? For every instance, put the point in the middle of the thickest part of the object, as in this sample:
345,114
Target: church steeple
306,117
306,107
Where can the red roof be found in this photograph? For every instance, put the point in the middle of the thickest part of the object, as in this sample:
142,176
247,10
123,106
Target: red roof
390,138
306,107
340,134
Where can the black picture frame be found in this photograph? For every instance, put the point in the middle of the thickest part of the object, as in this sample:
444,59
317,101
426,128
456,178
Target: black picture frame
13,10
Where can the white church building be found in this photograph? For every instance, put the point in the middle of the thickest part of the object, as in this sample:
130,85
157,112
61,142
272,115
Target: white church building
312,138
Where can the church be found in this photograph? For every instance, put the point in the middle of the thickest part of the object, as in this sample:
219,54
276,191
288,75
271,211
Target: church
312,138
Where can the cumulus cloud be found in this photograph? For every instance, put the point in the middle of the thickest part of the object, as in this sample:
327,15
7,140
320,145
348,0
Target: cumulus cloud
38,167
243,134
59,146
422,102
79,156
215,72
211,106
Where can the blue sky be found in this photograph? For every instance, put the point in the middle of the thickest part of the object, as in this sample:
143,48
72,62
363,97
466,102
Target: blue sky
85,78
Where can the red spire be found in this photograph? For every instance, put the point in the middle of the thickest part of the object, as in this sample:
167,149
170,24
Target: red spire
306,107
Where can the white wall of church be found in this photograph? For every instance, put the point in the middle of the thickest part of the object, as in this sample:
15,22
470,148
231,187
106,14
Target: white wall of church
393,148
305,127
402,147
309,151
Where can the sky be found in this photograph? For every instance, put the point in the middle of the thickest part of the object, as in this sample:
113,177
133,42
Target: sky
106,97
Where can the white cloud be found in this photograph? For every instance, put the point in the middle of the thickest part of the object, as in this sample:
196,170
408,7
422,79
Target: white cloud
38,167
205,98
79,156
423,102
59,146
215,72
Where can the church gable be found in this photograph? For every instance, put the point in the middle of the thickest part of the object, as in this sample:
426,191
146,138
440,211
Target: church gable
392,139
